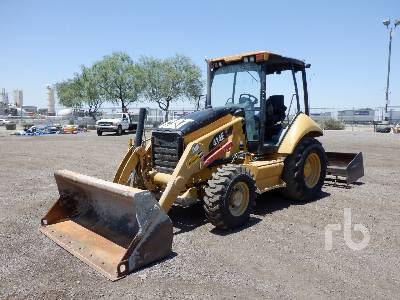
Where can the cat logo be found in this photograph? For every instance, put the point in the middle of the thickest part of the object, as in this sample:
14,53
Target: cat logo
176,123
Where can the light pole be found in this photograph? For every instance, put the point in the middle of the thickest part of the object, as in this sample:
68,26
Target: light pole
387,23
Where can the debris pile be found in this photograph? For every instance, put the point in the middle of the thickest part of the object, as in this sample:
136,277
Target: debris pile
38,130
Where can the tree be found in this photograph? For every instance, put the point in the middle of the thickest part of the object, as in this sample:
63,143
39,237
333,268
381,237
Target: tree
88,84
82,90
169,80
118,79
67,92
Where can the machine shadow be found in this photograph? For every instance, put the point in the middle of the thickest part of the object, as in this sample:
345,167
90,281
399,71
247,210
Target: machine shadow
267,203
275,200
341,183
172,255
253,221
186,219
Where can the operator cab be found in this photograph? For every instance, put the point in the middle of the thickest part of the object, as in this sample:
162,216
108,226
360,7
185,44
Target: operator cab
264,85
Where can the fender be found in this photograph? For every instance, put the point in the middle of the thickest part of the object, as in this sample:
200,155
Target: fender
302,126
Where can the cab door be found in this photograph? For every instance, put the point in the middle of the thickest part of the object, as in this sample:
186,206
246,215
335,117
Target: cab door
125,121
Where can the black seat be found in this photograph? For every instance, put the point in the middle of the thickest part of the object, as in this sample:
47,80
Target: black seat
275,110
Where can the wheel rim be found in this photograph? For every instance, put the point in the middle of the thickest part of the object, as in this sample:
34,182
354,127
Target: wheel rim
312,170
239,199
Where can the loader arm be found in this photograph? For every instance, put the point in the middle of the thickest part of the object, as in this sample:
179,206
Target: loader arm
132,158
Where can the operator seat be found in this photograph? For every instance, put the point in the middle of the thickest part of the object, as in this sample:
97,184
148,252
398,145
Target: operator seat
275,110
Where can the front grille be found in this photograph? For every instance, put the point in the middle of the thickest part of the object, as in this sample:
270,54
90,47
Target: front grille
166,150
105,123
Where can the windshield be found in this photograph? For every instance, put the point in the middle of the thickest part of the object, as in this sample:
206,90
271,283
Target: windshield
113,116
233,83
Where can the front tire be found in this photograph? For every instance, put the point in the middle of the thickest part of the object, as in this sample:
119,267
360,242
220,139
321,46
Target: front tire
305,170
99,133
229,197
135,180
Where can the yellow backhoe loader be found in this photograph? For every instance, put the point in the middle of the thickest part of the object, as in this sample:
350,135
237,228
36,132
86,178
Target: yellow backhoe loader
245,141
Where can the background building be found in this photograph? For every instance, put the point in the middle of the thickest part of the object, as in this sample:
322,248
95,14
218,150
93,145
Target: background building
30,109
317,117
363,115
394,116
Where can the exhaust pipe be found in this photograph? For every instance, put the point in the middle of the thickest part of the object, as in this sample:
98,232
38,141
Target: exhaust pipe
140,127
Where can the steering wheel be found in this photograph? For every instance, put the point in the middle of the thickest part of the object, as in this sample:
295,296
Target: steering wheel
250,97
227,100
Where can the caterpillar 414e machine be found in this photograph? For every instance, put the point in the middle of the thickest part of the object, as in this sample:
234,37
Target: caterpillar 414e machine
246,141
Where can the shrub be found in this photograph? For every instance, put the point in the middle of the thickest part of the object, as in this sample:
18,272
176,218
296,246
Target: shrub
11,126
332,124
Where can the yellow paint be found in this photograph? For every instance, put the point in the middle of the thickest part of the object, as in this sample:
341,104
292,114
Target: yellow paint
203,175
122,165
267,174
303,125
190,162
160,178
184,171
204,130
189,170
130,165
191,193
132,158
312,170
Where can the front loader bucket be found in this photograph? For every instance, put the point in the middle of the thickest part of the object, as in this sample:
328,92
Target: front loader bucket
112,228
347,165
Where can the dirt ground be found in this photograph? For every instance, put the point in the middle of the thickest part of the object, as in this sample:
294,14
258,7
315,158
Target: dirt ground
281,253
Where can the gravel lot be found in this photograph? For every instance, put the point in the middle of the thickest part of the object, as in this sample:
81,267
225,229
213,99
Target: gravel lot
279,254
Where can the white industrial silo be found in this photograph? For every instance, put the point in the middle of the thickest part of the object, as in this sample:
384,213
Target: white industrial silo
50,100
18,98
4,96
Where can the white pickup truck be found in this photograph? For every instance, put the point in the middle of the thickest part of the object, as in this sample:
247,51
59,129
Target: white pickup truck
116,122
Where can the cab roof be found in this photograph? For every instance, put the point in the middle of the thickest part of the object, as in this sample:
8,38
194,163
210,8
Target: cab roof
275,61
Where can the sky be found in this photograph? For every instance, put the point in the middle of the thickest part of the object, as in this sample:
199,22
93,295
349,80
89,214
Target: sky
345,41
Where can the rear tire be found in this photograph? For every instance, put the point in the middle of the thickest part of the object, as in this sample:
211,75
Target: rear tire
229,197
305,170
99,133
119,130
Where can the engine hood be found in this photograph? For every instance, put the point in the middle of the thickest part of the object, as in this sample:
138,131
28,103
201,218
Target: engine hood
196,120
109,120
